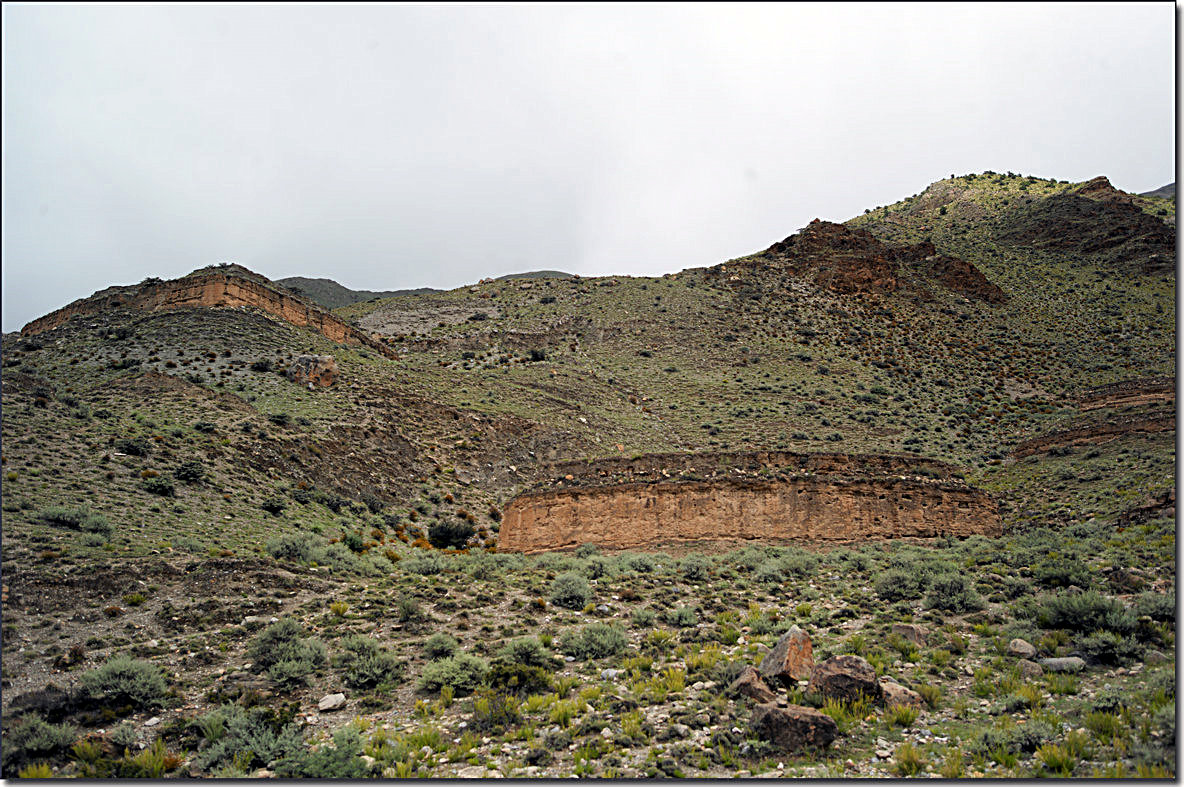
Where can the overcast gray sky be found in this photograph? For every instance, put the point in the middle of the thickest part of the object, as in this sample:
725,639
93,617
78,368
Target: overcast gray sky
403,146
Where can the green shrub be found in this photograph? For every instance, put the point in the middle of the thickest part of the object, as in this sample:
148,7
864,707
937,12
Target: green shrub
493,709
527,651
643,618
520,679
33,738
952,592
450,533
1106,647
138,446
285,654
683,617
570,590
1062,571
365,664
297,547
1084,612
274,505
342,760
160,485
424,563
249,738
190,472
638,562
123,680
79,518
898,585
440,646
463,672
1157,606
595,641
695,568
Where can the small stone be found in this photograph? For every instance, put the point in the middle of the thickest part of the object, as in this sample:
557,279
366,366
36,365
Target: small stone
895,694
471,772
749,684
152,722
610,674
1154,657
331,702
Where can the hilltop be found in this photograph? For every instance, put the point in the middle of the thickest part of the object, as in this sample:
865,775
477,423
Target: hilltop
331,295
963,403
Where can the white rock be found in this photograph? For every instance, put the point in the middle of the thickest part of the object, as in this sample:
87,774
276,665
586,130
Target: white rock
331,702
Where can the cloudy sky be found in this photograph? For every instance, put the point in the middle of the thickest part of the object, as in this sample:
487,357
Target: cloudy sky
403,146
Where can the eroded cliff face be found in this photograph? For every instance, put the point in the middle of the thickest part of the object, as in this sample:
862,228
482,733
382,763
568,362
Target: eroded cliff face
780,505
212,288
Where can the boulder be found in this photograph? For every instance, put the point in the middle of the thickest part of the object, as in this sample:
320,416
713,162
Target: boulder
793,728
895,694
790,660
1029,669
749,684
1154,657
1067,664
845,677
331,702
912,632
313,370
1021,649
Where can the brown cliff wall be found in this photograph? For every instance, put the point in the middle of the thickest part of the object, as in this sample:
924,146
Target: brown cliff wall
212,289
795,506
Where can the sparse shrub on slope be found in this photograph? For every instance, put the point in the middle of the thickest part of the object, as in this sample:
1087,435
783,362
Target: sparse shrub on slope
123,681
246,738
287,656
1084,612
570,590
450,534
463,672
440,646
595,641
953,592
78,518
365,664
32,738
342,760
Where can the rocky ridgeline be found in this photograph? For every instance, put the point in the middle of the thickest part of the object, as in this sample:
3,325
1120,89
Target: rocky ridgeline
218,287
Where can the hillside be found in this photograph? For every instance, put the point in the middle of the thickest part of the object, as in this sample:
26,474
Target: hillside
1163,192
332,295
918,435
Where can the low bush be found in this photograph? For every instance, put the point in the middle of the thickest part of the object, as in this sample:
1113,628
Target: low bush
160,485
424,563
123,680
365,664
570,590
695,568
595,641
440,646
450,534
33,738
495,709
288,657
78,518
462,672
1083,612
527,651
342,760
520,679
952,592
898,585
1157,606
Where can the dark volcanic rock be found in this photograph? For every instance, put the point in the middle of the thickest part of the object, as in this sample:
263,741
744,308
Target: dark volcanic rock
846,678
793,728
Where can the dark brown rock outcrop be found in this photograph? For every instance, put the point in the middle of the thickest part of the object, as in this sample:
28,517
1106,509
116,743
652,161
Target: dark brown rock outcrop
846,678
651,502
794,728
749,684
791,660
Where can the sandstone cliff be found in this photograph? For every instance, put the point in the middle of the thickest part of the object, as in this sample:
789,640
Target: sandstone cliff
221,287
825,497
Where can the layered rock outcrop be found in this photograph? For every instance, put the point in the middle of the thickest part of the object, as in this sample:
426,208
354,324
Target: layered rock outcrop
826,497
1129,393
220,287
